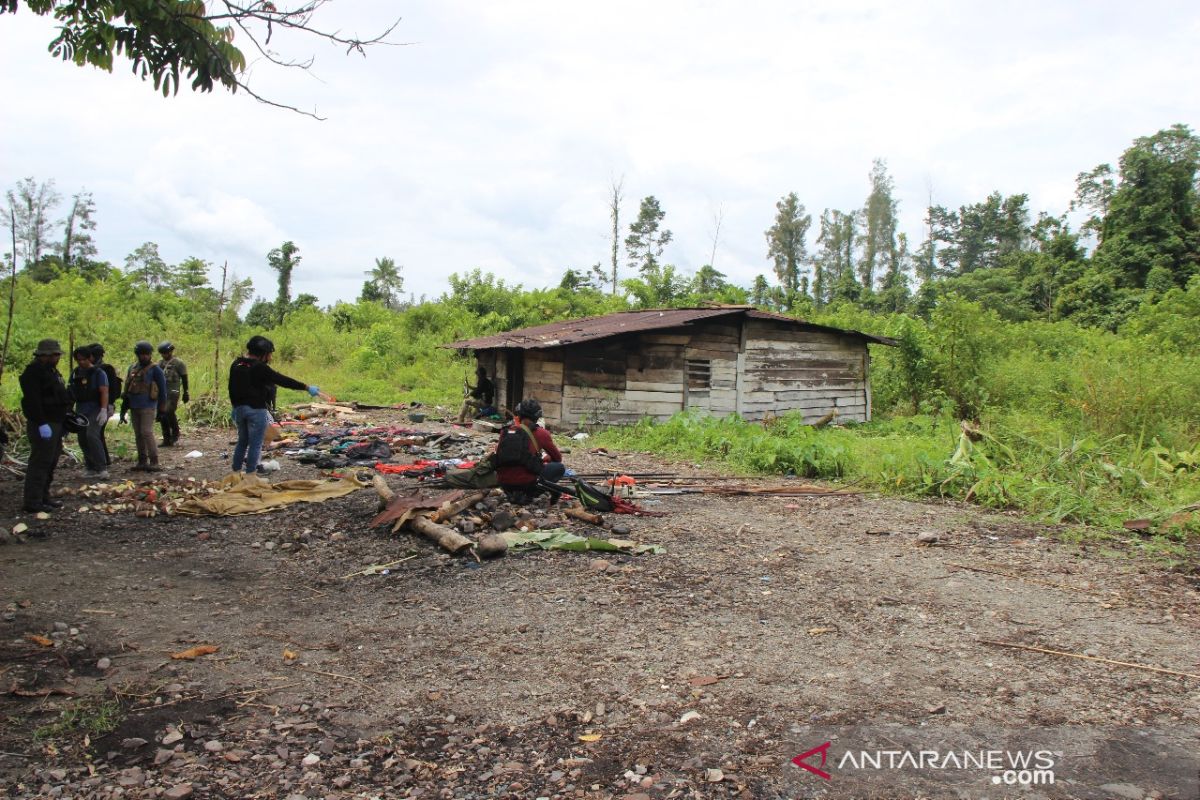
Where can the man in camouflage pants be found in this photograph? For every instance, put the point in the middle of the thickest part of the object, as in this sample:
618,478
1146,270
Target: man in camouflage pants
176,374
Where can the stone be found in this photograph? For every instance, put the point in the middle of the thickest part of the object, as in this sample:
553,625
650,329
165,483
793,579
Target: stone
502,520
939,708
927,538
57,774
162,756
311,760
178,792
714,775
213,746
620,529
61,627
133,743
172,737
327,746
1126,790
342,781
268,545
131,777
599,565
104,663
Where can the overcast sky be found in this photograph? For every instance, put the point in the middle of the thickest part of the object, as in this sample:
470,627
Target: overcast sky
492,139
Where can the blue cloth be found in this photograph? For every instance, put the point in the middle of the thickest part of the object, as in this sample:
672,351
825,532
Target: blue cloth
89,408
155,374
553,472
251,427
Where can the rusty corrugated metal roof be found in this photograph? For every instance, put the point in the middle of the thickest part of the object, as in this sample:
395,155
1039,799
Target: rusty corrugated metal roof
576,331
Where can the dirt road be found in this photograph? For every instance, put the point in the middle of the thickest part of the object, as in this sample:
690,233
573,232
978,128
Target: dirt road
769,628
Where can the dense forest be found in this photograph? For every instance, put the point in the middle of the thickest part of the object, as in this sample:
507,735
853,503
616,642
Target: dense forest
1071,346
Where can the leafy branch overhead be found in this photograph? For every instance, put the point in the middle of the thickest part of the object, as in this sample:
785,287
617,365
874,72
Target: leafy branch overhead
169,41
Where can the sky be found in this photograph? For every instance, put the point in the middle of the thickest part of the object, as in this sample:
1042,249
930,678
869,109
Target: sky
490,135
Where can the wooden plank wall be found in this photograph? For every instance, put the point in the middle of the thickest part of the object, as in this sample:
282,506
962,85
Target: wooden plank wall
716,343
544,382
813,372
622,380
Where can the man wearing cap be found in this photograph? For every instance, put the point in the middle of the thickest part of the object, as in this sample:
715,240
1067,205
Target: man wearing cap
176,374
144,397
250,381
89,389
45,402
531,471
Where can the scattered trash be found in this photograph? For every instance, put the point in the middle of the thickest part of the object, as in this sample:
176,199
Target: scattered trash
250,494
688,717
39,640
591,737
193,454
579,437
270,466
562,539
20,527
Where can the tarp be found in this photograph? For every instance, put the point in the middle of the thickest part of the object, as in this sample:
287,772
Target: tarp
250,494
562,539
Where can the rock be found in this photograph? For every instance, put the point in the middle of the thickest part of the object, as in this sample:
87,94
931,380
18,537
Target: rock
620,529
1094,653
57,774
311,760
927,538
61,627
492,546
172,737
178,792
268,545
131,777
133,743
939,708
162,756
327,746
714,775
342,781
104,663
599,565
503,519
1126,790
466,526
213,746
688,717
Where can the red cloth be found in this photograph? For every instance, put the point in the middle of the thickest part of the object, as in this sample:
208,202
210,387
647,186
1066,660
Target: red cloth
515,474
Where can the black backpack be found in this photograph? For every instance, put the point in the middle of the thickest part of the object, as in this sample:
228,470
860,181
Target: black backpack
592,498
114,382
513,450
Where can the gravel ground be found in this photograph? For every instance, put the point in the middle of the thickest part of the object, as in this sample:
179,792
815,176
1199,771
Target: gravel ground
769,627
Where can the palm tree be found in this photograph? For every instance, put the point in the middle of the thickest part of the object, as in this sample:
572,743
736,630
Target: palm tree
386,282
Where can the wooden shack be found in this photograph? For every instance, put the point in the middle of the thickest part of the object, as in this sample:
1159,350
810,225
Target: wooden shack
621,367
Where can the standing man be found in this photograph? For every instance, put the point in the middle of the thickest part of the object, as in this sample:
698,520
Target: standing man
176,374
250,382
479,397
114,391
145,396
519,459
45,402
89,389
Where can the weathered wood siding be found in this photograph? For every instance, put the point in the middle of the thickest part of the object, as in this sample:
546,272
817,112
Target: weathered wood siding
814,372
711,357
622,380
544,382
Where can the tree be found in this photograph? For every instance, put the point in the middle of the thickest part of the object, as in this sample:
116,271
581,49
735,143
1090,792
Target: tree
879,251
170,40
1153,218
384,283
574,280
78,246
894,292
1094,191
760,292
614,209
646,240
834,264
707,282
189,276
785,242
980,235
262,315
283,260
147,268
31,205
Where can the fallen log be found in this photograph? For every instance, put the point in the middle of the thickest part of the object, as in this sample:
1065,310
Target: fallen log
449,510
446,538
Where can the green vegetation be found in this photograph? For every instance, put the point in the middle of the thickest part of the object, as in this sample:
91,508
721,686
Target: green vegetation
94,718
1071,351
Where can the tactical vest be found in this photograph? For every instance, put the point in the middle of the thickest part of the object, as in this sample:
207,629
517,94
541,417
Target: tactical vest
137,382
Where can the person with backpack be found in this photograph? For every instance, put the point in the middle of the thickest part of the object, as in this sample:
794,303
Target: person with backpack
89,390
519,452
145,397
114,391
177,389
250,382
45,401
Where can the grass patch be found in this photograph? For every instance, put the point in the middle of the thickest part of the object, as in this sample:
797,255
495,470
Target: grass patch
84,717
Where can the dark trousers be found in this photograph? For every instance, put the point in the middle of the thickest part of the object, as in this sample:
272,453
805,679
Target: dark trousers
170,420
43,458
91,442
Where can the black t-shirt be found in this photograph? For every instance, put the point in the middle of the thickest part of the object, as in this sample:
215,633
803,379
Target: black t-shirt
484,391
250,382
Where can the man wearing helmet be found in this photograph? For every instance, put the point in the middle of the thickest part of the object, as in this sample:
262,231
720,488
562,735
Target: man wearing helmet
250,382
176,374
144,397
519,453
45,402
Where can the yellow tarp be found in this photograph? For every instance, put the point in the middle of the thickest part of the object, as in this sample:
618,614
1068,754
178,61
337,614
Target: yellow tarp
250,494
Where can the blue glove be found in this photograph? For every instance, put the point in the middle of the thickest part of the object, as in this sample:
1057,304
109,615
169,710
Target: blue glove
313,391
44,431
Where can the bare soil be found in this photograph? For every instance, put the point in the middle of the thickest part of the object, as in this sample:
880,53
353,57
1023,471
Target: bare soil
769,627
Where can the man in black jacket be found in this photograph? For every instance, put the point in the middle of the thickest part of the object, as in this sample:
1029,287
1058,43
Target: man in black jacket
45,402
250,379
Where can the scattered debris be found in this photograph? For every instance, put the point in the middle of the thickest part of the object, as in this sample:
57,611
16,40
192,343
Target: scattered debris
192,653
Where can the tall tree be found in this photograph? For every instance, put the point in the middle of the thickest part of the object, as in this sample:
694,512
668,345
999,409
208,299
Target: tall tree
647,238
78,246
879,252
283,260
980,235
785,242
385,282
1094,192
834,264
1153,220
32,204
187,39
614,211
146,267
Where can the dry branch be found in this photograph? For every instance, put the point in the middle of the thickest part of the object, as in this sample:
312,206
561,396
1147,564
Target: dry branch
1130,664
